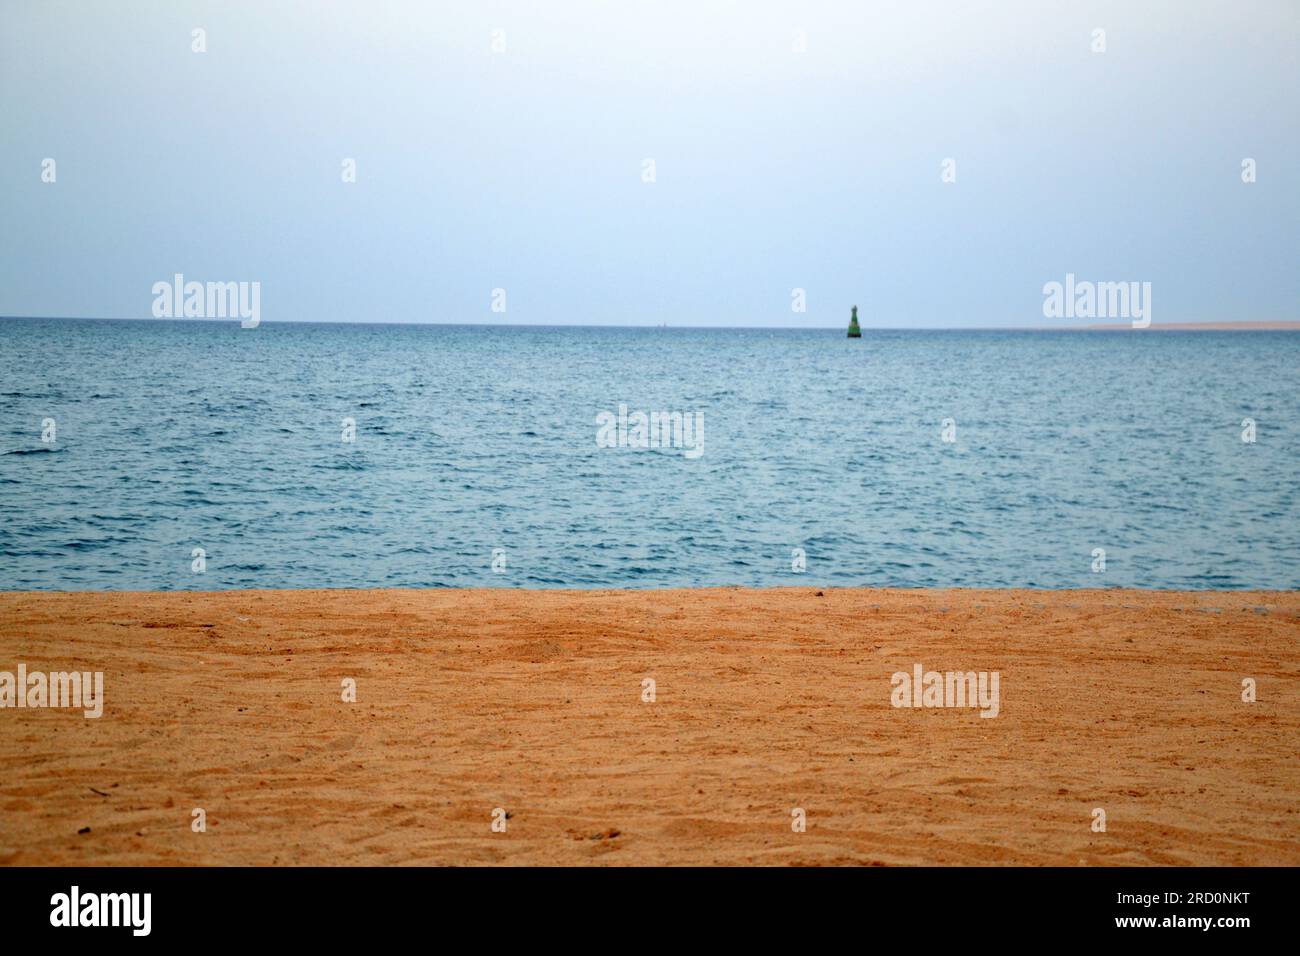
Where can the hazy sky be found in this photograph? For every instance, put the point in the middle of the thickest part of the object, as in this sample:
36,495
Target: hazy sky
775,169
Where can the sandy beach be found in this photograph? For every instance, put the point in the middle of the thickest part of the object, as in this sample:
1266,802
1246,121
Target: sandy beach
764,701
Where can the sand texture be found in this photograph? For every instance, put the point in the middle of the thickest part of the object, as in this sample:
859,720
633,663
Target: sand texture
765,701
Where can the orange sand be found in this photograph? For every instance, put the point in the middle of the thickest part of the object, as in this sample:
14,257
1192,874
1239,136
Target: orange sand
767,700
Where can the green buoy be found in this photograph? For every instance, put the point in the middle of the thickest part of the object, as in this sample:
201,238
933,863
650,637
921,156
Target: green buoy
854,331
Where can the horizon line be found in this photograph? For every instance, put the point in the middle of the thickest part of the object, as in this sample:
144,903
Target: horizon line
1241,325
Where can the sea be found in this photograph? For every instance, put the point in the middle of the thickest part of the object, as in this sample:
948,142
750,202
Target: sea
196,454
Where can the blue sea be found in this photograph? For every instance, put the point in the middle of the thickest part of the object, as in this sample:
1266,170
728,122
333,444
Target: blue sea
475,460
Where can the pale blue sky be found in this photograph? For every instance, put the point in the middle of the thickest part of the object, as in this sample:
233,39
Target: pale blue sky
775,169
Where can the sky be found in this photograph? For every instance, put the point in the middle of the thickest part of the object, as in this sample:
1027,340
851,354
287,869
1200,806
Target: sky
523,167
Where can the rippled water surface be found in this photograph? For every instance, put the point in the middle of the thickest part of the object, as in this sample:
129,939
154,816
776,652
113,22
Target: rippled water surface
180,435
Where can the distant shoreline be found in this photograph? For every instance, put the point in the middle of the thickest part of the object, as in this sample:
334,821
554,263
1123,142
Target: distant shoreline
1284,326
